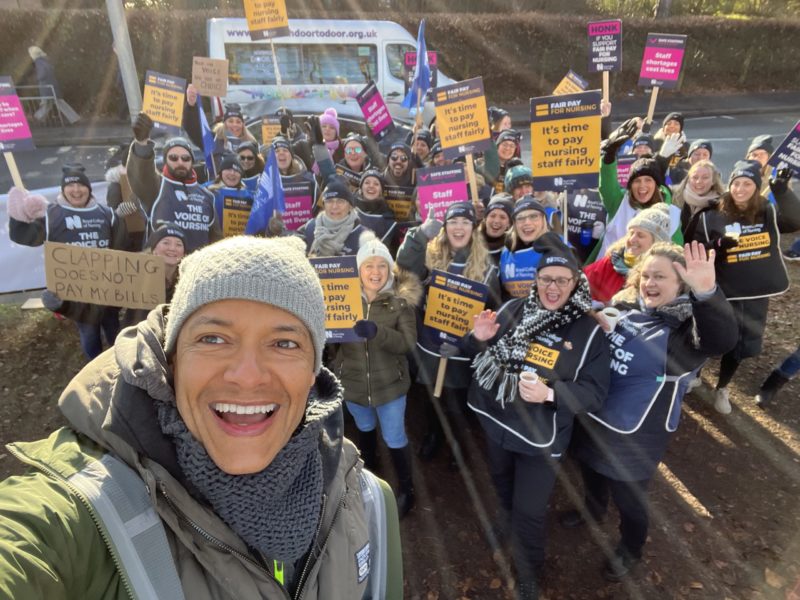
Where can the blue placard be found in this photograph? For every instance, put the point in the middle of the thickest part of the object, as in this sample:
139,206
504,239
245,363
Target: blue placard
788,153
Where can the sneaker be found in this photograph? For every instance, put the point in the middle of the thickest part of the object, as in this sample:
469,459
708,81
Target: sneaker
791,255
722,402
694,384
619,565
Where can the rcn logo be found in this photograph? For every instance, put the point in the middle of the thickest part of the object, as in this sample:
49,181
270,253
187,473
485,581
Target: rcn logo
73,222
580,200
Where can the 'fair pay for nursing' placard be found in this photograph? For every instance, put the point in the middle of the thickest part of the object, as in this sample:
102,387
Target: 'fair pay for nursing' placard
462,119
565,141
341,287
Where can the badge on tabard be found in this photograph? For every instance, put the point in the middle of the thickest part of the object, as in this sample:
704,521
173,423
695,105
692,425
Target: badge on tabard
362,563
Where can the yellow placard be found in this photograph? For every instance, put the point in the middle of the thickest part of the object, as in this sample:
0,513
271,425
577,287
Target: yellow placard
269,129
105,277
567,86
235,214
210,76
163,99
450,312
461,116
753,241
565,147
342,302
519,288
266,15
542,356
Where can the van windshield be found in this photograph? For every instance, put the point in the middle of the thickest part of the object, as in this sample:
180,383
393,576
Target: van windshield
251,64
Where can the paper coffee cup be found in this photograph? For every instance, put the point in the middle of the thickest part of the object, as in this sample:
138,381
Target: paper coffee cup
528,376
612,316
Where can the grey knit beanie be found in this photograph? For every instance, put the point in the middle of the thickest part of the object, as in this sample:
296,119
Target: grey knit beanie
655,220
274,271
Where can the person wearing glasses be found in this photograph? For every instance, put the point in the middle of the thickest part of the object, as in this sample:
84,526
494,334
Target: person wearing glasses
400,166
252,164
174,195
336,231
539,361
355,162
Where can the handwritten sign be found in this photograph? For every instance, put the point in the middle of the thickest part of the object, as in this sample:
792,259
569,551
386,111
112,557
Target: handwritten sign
400,200
375,111
298,195
210,76
788,153
565,141
571,84
452,303
662,60
105,277
266,18
341,288
439,187
462,119
15,133
605,46
163,101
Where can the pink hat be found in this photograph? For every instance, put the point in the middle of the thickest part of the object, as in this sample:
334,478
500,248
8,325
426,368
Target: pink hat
329,117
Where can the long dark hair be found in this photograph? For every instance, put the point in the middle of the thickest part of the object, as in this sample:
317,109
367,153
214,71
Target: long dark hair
755,207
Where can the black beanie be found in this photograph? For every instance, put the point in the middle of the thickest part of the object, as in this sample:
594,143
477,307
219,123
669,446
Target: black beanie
353,137
501,201
248,145
165,229
337,188
231,161
437,147
701,144
400,146
747,168
646,166
74,173
555,253
508,135
372,173
644,139
461,209
233,110
280,141
528,202
496,114
673,116
178,142
424,134
761,142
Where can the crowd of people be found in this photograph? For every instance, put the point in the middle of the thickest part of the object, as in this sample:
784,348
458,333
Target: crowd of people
583,353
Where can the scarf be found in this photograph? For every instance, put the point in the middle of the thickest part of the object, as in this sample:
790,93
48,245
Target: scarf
696,201
504,359
622,262
330,235
192,178
275,511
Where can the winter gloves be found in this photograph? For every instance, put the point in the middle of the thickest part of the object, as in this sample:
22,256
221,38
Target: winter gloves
431,227
672,143
142,127
126,209
780,183
617,139
365,329
24,206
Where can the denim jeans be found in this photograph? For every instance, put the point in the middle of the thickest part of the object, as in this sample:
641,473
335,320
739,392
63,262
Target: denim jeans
391,415
795,245
790,365
91,341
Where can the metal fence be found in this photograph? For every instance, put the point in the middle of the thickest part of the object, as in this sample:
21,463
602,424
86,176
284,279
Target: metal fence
40,110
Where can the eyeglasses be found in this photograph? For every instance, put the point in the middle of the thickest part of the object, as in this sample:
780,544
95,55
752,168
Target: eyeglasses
356,150
399,158
182,158
247,158
561,282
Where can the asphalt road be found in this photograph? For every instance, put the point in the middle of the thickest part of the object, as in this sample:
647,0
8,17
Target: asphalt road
730,136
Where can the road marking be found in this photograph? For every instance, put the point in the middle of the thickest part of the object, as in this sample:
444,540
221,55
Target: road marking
32,174
50,160
726,139
63,149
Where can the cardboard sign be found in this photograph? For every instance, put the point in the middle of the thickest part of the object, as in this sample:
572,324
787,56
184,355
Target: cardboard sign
270,127
788,153
605,46
410,64
298,199
462,119
352,178
624,164
565,141
266,18
341,287
210,76
15,133
571,84
105,277
163,101
452,303
375,111
662,60
235,214
401,200
439,187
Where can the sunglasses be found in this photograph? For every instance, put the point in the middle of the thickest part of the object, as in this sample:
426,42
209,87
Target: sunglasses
182,158
399,158
244,157
356,150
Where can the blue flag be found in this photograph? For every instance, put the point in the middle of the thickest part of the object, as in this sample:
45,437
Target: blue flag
422,73
208,141
268,198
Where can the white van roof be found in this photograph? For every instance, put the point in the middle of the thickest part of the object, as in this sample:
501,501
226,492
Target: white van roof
314,31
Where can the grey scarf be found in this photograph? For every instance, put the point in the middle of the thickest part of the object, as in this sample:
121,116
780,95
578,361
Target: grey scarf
275,511
330,235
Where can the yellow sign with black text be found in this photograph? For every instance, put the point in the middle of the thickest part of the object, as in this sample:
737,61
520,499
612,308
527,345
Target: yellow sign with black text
542,356
462,120
266,18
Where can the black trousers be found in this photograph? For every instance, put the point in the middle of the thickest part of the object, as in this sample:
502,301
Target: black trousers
524,484
630,498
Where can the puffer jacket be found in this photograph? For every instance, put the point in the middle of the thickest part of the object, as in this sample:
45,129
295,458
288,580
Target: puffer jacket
375,372
51,548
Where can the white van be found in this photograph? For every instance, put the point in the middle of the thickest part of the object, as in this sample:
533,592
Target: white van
319,59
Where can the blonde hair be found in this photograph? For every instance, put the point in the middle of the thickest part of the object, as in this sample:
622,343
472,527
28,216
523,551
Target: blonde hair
219,133
630,293
439,255
716,181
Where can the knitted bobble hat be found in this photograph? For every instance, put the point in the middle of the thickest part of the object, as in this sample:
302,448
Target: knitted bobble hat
330,117
272,271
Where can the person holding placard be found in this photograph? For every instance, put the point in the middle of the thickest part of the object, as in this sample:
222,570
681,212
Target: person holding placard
233,201
454,247
744,229
539,361
355,162
496,224
496,161
74,218
252,164
400,166
373,211
759,150
336,231
174,195
119,194
375,373
674,316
